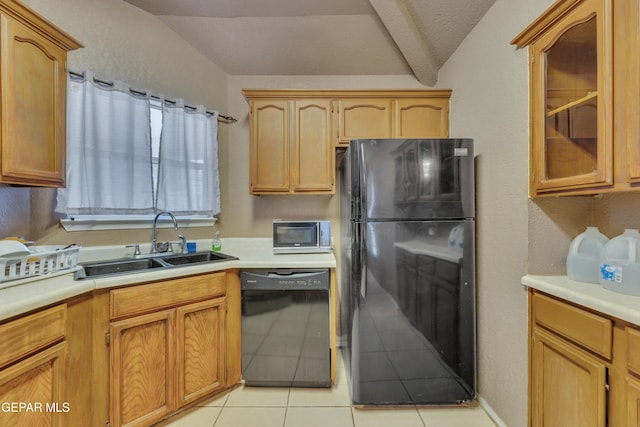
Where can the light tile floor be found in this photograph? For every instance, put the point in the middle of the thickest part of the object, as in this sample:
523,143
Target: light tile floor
306,407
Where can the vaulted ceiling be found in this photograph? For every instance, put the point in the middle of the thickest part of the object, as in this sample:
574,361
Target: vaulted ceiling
323,37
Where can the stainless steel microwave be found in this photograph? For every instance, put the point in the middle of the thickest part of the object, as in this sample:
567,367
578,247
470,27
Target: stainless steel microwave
295,237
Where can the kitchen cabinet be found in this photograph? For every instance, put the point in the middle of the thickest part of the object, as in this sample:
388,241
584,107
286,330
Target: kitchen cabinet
393,114
143,377
201,349
291,147
364,118
584,366
32,367
629,129
33,98
167,346
293,133
421,117
568,384
44,364
582,142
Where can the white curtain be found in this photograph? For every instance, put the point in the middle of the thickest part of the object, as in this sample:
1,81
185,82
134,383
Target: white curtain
108,150
188,176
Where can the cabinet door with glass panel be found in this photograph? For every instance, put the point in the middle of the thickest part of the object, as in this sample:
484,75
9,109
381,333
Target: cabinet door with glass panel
571,97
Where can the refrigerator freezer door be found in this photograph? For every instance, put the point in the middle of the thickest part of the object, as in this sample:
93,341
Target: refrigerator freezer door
412,179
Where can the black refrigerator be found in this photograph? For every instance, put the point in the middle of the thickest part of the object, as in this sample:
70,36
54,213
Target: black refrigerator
407,297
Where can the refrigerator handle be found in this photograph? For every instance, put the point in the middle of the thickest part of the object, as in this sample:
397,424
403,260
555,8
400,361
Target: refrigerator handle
360,269
358,181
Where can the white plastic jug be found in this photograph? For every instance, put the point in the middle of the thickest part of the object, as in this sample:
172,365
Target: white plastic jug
583,260
620,263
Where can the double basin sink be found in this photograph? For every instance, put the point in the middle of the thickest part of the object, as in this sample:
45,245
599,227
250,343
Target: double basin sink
140,265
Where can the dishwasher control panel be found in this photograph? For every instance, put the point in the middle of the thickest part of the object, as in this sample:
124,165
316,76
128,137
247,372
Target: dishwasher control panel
285,279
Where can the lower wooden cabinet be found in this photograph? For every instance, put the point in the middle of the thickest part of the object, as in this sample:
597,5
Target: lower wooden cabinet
171,354
200,354
633,402
127,356
143,378
568,385
38,383
584,366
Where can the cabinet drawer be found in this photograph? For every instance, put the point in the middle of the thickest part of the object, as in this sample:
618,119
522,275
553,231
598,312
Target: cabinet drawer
632,337
156,296
32,333
580,326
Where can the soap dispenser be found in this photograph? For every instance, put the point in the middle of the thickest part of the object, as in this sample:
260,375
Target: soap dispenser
216,245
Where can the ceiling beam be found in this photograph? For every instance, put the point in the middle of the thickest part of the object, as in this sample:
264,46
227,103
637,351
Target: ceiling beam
405,33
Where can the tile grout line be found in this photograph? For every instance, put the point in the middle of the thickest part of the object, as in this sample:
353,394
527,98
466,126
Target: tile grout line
286,408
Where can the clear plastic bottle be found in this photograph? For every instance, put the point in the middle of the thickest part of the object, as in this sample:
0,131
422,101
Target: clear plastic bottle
216,245
583,260
620,263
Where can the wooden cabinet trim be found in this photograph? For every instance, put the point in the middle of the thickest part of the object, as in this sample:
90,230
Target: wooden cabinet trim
587,329
170,293
39,24
343,94
31,333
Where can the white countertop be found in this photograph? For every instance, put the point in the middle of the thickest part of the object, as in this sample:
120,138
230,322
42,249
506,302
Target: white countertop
251,253
590,295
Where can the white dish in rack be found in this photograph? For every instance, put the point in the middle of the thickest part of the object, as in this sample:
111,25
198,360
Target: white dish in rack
12,248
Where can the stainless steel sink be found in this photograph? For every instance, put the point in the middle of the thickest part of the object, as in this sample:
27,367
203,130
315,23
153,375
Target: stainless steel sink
140,265
121,266
196,258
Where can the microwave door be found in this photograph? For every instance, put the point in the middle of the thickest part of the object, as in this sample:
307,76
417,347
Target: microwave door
297,235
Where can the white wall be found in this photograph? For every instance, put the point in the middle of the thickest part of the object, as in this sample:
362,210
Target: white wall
489,78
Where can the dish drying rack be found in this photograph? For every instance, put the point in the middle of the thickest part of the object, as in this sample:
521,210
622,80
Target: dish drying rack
42,260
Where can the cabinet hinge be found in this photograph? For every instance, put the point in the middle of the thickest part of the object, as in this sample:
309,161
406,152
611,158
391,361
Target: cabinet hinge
107,339
107,424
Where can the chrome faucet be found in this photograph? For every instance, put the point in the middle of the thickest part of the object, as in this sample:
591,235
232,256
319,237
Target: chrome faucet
154,240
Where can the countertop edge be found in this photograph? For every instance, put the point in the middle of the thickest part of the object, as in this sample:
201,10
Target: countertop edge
589,295
20,299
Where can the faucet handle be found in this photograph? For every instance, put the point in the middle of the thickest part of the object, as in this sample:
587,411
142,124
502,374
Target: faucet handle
183,244
136,250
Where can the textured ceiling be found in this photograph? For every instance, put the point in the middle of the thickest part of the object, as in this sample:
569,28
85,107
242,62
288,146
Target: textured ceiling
323,37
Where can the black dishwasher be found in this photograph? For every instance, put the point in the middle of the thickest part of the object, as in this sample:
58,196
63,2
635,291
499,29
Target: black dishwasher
285,328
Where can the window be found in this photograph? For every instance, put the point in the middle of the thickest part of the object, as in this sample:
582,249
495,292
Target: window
130,156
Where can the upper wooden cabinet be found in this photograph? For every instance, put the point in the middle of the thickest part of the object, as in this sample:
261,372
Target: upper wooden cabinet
392,114
422,117
294,132
291,147
33,56
364,118
581,141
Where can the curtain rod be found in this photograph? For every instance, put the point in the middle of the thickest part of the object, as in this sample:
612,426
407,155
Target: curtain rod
221,118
